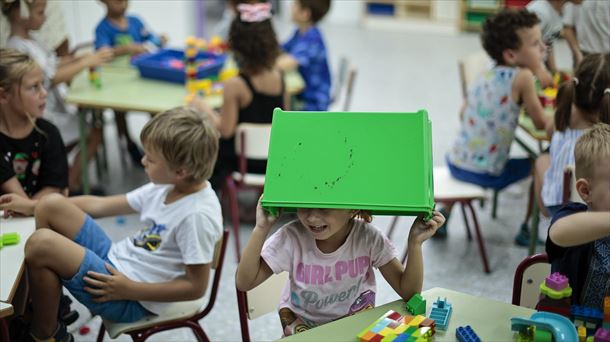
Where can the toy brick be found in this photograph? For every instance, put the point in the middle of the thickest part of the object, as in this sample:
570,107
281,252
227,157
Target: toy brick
582,334
389,338
466,334
549,292
590,339
394,324
441,313
410,330
558,310
367,336
606,325
400,329
394,316
602,335
586,313
541,335
429,323
556,281
417,305
407,318
377,328
607,317
386,331
417,320
401,338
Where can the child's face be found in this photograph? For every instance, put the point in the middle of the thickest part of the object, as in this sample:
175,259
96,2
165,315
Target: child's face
599,186
30,97
156,167
300,15
531,52
116,7
322,224
37,15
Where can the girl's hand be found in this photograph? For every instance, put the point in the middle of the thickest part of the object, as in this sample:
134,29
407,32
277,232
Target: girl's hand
422,231
200,104
106,287
264,219
13,203
99,57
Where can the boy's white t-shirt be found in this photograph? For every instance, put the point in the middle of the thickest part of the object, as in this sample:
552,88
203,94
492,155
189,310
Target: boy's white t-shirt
182,233
325,287
550,20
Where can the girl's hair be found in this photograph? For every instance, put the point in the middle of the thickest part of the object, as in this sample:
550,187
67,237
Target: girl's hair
254,44
13,66
587,91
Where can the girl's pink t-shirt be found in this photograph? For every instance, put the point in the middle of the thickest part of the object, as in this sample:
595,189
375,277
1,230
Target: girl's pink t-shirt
324,287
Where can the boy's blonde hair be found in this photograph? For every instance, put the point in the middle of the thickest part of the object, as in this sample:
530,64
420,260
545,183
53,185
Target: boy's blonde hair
186,139
591,147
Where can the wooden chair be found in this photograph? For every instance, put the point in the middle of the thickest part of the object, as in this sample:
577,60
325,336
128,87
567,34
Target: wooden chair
351,79
259,301
339,79
178,314
448,190
470,67
251,142
528,276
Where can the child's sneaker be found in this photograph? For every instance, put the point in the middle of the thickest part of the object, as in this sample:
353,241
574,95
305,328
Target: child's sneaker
61,335
523,237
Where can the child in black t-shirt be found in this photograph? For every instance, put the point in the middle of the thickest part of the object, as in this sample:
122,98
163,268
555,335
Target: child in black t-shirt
31,148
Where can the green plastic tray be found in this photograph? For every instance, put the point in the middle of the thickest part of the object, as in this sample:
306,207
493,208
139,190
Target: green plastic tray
380,162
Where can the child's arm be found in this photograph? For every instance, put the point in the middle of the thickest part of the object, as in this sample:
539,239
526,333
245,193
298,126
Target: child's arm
580,228
409,281
12,186
286,62
226,120
103,206
49,190
116,286
526,88
570,35
252,269
67,72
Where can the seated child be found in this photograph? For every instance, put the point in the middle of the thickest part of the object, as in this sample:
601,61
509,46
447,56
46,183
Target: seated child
578,244
306,51
168,261
330,255
579,106
480,154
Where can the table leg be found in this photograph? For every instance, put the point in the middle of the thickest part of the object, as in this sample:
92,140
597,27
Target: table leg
82,144
534,228
529,151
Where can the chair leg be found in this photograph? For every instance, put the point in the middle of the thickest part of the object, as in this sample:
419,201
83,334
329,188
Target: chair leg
101,332
392,226
480,241
198,331
242,307
494,206
232,192
466,224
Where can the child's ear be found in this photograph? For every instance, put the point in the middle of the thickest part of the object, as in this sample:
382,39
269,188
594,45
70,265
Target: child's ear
509,56
584,191
4,95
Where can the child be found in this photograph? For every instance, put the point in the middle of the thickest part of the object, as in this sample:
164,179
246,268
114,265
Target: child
330,255
579,107
587,28
578,244
512,39
307,51
57,73
168,261
127,35
253,95
549,12
31,149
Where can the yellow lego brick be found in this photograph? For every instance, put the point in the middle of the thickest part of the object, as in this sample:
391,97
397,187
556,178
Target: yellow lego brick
407,318
400,329
582,334
367,336
416,320
389,338
386,331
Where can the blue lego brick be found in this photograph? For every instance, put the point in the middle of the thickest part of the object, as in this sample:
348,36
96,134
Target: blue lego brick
441,312
466,334
402,337
586,313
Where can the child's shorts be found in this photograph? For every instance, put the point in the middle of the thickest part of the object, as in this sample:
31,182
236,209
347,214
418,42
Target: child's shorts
514,171
97,244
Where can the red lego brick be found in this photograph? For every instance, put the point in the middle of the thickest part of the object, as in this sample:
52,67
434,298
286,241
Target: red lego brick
394,316
376,338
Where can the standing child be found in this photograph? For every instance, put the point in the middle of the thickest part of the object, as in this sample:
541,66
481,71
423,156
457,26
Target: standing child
57,73
578,244
127,35
329,255
306,51
31,149
480,155
580,106
253,95
168,261
587,28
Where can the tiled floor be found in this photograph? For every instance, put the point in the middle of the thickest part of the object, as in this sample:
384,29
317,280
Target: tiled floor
397,71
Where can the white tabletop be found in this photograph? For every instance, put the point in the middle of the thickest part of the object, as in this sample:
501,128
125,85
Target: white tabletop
12,257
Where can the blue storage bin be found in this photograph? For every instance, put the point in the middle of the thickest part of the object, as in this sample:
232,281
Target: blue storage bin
157,65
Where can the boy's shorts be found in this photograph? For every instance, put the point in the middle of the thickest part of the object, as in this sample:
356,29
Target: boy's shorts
514,171
97,244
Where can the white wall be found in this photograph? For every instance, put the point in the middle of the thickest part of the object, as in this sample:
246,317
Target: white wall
341,11
176,18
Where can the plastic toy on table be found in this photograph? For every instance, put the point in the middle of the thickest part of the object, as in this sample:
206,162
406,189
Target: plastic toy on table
394,327
8,239
555,295
466,334
441,313
94,77
561,328
416,305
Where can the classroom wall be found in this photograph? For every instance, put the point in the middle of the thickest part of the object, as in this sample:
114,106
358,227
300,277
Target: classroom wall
175,18
341,11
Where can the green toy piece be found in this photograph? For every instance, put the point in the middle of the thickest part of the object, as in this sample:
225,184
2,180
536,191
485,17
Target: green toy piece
9,239
379,162
554,294
542,336
417,305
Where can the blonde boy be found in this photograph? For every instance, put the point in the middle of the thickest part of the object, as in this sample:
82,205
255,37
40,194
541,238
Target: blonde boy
578,244
169,260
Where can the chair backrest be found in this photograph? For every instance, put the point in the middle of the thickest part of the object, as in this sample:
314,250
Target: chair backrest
217,262
351,79
259,301
528,276
340,79
470,67
251,142
569,193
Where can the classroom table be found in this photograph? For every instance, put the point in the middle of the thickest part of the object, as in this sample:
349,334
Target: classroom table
490,319
122,89
12,257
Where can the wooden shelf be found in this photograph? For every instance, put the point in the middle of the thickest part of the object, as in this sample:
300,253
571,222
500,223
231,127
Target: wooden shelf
400,8
474,13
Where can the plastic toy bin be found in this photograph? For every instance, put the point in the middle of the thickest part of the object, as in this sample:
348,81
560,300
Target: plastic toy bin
158,65
380,162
